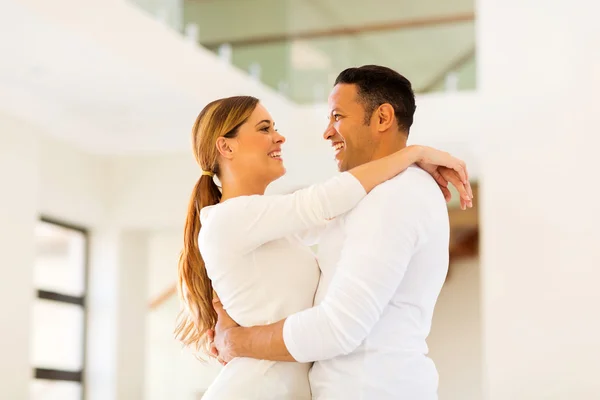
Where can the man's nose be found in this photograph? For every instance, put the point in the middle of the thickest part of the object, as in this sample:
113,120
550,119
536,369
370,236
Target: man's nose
329,132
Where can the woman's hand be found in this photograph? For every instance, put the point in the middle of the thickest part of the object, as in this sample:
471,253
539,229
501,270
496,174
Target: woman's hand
447,169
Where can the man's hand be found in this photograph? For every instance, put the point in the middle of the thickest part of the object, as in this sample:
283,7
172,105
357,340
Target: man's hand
221,347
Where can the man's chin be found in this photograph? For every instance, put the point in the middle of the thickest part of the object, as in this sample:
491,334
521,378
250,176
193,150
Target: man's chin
342,167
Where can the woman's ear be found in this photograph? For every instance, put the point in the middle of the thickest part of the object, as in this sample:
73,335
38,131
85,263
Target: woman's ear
224,147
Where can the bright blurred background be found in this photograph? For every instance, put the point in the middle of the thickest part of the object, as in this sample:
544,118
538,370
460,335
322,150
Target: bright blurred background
97,100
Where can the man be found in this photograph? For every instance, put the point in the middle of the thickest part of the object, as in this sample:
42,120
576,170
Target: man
383,264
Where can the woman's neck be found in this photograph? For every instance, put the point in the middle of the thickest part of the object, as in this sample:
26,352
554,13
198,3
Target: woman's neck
234,188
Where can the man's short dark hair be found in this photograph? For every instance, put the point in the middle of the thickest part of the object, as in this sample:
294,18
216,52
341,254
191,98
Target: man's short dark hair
378,85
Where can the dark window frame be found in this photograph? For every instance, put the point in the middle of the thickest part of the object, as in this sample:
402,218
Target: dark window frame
62,375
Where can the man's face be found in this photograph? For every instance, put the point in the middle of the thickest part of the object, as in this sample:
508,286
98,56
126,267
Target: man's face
351,138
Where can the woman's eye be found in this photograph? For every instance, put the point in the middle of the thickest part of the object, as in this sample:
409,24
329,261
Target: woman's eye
336,117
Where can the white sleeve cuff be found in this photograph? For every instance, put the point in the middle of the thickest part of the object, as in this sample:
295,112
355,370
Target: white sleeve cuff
289,327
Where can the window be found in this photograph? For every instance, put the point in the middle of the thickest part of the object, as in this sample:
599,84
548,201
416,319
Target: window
58,317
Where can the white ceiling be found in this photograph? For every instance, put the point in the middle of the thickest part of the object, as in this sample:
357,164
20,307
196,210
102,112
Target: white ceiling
109,90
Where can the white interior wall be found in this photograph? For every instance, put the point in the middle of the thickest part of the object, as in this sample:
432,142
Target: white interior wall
102,302
455,342
45,177
151,192
73,185
540,252
540,259
18,213
132,309
171,371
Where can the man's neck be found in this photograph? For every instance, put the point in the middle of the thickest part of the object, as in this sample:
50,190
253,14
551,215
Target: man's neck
392,143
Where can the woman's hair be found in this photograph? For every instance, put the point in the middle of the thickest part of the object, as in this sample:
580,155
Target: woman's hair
221,118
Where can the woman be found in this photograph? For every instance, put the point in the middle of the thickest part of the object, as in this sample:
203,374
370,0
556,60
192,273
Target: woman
250,248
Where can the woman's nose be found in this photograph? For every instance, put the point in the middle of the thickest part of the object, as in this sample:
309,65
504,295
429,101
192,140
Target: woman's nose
279,138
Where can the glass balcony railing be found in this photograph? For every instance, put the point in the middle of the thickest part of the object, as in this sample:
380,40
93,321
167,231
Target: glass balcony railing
299,46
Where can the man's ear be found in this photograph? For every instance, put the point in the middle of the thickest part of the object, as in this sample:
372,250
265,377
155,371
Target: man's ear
224,147
385,117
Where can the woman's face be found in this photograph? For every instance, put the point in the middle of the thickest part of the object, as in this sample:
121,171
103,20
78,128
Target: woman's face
257,148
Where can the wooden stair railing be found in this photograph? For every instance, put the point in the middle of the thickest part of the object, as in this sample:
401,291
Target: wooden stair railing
163,297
